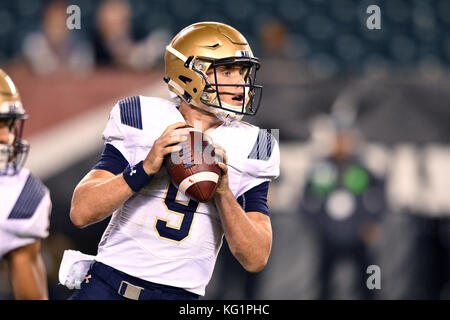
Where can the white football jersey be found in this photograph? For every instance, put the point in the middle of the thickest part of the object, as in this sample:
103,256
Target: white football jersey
24,211
159,234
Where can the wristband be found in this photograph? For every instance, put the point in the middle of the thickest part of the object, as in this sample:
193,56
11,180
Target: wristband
136,177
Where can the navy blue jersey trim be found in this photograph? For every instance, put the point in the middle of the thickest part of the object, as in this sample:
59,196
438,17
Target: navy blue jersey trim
111,160
262,149
130,112
29,199
255,199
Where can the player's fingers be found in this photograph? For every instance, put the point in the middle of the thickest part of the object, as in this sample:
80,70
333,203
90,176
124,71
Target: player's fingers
223,167
173,134
179,132
174,126
218,155
182,130
220,152
225,158
168,140
176,138
171,149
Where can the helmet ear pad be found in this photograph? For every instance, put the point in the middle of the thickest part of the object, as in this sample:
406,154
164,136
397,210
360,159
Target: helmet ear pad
187,83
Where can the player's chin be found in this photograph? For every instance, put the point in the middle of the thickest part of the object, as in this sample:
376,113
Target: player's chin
232,102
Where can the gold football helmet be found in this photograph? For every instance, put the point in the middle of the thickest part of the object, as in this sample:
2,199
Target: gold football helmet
206,45
13,152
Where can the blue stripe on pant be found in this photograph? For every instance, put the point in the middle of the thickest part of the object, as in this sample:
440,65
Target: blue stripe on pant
104,283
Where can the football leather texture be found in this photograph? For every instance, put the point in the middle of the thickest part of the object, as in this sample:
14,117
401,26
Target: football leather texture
194,169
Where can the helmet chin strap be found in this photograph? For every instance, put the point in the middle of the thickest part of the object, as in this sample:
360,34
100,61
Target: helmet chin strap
226,116
223,115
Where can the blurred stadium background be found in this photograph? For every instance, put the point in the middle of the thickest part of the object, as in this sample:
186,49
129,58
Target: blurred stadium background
331,86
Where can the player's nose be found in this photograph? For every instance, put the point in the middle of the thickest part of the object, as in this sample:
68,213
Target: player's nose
238,79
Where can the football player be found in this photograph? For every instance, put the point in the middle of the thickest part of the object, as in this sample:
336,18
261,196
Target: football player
25,202
160,244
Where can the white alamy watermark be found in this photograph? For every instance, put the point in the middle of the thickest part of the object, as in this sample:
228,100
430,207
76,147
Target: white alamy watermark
74,19
374,20
374,280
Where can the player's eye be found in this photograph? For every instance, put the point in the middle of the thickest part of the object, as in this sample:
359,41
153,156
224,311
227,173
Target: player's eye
8,123
226,72
243,72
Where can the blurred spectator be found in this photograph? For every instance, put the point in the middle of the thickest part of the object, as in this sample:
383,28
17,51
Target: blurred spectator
416,244
281,76
416,257
114,43
343,203
55,48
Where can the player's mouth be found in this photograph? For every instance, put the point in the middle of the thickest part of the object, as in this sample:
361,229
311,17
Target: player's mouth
233,98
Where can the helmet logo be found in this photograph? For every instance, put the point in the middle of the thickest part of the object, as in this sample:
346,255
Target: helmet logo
213,46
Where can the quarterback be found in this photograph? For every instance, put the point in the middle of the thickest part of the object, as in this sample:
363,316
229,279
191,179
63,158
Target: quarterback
25,202
159,243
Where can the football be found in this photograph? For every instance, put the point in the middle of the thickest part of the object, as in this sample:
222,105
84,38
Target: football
194,169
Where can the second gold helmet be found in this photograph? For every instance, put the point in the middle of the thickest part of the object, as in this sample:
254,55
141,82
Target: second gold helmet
13,153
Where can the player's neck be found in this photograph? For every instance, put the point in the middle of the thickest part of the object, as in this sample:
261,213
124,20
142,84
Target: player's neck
196,117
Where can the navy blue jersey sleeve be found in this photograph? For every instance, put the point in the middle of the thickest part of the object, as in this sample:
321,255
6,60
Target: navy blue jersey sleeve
111,160
255,199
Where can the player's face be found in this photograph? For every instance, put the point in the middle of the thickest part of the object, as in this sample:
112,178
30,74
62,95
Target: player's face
229,74
6,138
5,131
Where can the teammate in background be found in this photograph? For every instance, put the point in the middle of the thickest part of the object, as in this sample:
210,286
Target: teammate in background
159,244
25,202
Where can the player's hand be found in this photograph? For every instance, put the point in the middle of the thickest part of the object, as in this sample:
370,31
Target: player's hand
221,154
165,144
